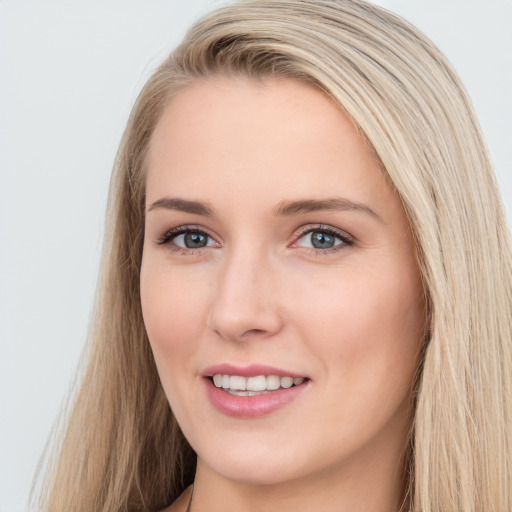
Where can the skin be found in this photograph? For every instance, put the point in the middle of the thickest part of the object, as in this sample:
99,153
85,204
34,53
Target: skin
350,319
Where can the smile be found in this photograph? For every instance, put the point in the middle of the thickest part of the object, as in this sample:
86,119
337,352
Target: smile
253,386
252,391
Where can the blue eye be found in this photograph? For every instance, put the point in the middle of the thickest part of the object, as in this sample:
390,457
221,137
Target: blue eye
321,240
191,240
324,239
187,238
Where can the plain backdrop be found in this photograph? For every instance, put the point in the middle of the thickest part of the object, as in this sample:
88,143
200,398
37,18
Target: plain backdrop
69,73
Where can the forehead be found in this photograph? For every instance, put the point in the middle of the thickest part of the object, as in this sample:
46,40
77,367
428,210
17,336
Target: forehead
272,137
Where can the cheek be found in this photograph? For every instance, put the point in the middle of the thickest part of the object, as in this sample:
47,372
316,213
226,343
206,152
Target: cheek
368,327
173,312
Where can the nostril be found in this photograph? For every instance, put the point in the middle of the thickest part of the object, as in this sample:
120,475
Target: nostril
253,332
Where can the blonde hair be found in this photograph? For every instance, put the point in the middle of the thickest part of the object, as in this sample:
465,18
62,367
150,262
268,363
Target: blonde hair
122,449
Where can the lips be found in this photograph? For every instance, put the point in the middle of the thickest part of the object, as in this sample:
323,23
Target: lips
251,391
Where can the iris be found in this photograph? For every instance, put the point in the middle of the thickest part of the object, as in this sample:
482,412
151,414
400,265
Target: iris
195,240
322,240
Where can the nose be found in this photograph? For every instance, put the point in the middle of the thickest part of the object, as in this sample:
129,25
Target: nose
244,304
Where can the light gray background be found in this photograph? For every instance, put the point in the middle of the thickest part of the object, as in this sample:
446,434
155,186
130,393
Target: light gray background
69,73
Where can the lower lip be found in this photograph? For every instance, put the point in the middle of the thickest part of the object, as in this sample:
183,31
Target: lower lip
251,406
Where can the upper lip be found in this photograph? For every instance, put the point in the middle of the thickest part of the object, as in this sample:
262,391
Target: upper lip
251,370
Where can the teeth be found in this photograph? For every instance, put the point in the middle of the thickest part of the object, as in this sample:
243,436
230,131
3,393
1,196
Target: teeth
236,382
258,383
286,382
250,386
273,382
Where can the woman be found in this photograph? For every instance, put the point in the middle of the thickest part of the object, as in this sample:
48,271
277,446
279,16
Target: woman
308,260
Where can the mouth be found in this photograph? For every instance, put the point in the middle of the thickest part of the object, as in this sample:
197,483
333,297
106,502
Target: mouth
252,391
239,385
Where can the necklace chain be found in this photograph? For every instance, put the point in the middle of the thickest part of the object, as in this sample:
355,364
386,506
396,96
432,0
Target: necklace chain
190,499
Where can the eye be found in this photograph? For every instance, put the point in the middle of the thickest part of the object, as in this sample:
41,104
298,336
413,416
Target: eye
191,240
324,238
187,239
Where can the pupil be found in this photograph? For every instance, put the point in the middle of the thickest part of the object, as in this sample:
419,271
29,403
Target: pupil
195,240
321,240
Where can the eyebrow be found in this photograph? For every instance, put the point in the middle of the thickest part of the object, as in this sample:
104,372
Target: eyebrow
286,208
283,209
182,205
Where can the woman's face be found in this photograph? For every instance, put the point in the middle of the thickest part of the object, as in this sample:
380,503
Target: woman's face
277,254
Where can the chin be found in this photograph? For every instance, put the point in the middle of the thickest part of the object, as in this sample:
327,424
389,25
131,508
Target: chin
254,465
251,474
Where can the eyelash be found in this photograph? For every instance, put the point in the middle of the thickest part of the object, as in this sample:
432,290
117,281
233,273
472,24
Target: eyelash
170,235
346,239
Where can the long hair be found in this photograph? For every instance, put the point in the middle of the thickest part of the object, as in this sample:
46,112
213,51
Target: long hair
121,448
